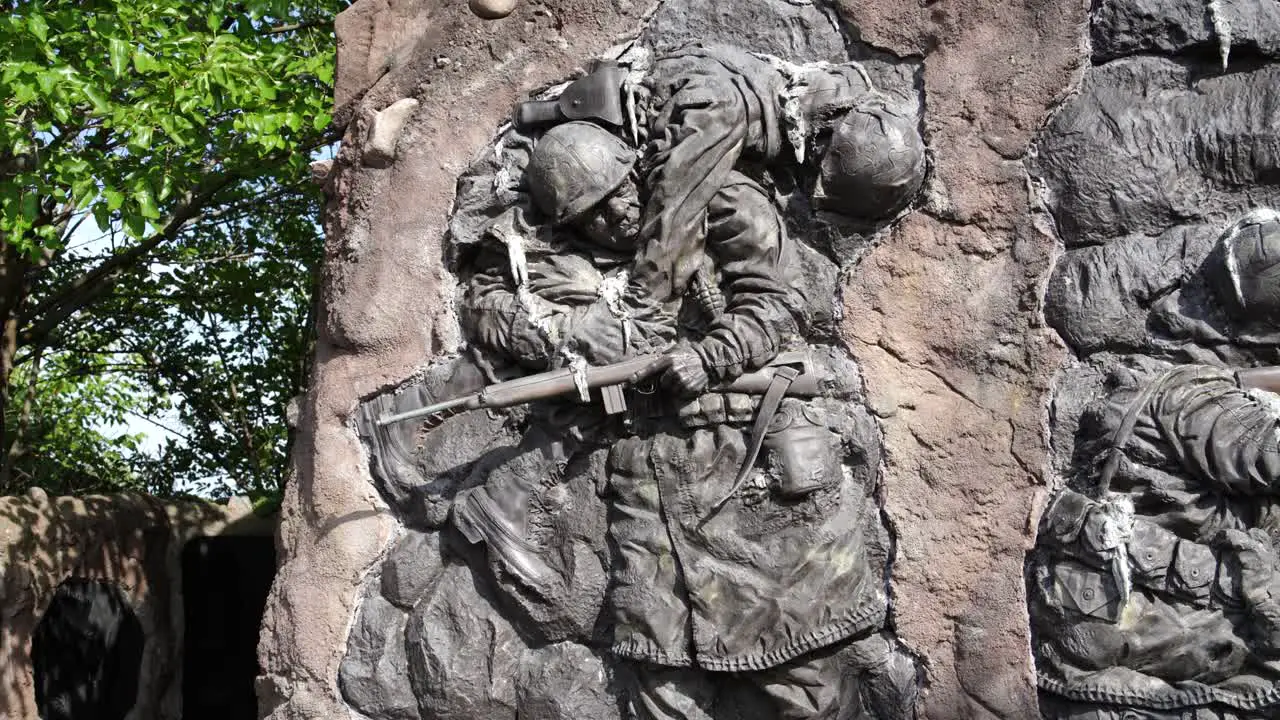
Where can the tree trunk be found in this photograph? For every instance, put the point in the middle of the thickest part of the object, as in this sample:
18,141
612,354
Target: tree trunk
11,284
15,288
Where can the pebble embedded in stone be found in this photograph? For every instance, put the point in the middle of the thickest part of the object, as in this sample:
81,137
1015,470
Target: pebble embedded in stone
320,170
38,495
492,9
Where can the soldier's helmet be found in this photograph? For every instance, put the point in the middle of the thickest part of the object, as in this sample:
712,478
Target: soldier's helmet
1249,276
574,166
874,165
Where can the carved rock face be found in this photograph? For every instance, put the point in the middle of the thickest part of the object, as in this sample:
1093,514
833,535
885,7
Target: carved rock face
918,305
574,528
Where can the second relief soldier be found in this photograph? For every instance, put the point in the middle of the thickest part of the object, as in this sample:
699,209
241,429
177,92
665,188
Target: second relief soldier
1157,596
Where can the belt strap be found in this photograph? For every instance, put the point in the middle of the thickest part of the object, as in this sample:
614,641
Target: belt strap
782,378
1115,451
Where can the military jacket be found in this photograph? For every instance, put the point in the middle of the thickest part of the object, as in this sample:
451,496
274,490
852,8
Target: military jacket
1202,457
760,581
566,304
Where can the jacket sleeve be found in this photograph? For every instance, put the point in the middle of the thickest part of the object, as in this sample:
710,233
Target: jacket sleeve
694,142
497,321
746,238
1226,436
535,332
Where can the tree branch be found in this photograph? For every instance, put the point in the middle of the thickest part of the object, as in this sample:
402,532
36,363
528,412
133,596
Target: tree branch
162,426
88,287
280,29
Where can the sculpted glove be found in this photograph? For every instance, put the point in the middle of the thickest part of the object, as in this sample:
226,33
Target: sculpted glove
687,375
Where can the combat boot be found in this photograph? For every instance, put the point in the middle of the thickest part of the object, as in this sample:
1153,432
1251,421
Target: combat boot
497,515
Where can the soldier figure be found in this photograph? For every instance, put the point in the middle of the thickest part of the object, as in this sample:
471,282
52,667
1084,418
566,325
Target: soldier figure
763,583
1163,591
543,304
700,109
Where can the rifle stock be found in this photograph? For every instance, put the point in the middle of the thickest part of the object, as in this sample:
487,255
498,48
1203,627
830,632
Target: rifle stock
1262,378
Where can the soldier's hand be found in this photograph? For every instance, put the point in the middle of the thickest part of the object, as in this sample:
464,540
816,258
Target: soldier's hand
686,375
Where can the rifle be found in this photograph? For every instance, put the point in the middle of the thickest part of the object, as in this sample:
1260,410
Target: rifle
609,381
1262,378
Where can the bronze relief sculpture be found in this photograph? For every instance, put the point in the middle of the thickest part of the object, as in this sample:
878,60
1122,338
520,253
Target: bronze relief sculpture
633,289
1152,584
1155,580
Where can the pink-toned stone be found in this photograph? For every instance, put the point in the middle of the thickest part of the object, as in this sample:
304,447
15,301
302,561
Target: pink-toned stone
945,318
492,9
372,35
384,132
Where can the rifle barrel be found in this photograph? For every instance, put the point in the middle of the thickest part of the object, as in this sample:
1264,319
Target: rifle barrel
429,410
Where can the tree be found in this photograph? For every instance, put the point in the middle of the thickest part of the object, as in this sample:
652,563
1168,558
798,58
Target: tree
157,236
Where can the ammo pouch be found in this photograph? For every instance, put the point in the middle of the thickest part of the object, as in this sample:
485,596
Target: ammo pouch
1159,560
802,453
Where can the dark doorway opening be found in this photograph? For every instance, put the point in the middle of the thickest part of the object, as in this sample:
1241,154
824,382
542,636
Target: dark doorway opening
225,581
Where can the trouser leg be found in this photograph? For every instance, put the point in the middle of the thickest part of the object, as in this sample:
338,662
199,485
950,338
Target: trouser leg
810,687
656,692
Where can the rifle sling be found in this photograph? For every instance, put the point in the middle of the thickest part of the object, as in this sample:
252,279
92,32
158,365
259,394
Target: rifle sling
778,386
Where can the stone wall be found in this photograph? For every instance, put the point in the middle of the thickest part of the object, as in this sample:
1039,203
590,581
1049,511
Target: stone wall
133,542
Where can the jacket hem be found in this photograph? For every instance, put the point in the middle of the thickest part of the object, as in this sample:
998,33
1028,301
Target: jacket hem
1171,699
852,624
647,652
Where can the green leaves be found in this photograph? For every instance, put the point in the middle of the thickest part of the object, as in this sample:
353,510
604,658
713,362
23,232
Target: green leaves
118,51
127,114
38,26
30,208
78,78
146,204
101,103
143,62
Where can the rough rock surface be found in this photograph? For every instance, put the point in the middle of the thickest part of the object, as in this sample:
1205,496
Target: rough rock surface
386,299
1193,27
1188,151
412,567
384,132
1141,190
942,313
463,654
944,318
373,677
